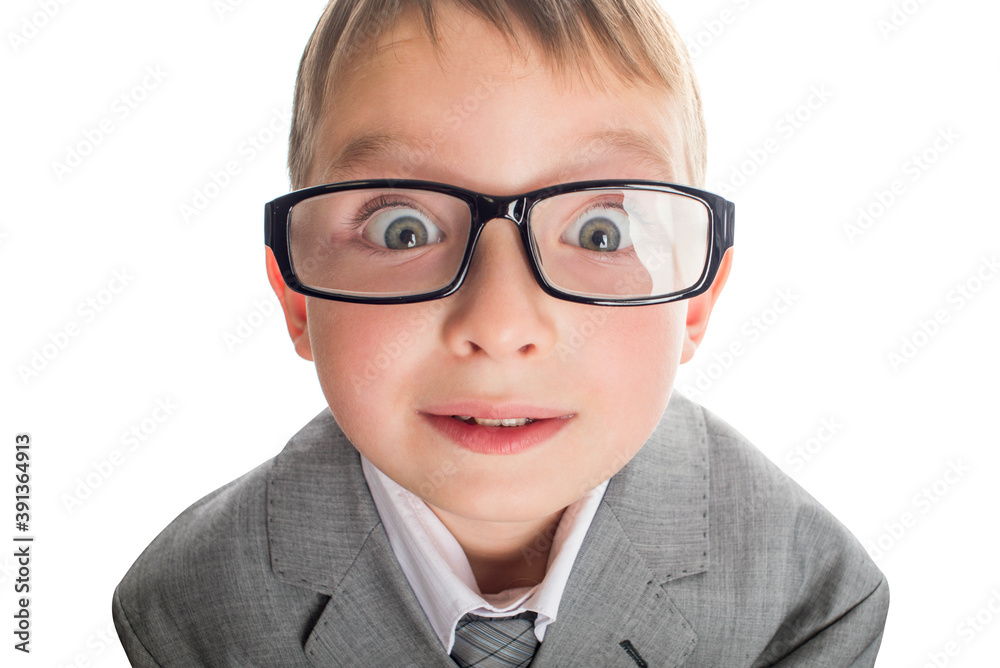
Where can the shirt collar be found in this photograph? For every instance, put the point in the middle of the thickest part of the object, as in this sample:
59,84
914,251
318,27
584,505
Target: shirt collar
438,570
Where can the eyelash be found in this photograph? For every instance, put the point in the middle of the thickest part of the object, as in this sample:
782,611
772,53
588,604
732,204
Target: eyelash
634,208
603,205
373,206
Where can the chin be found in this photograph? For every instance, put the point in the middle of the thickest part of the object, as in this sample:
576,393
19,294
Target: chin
501,504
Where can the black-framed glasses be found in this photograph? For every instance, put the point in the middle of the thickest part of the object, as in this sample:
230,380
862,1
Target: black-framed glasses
607,242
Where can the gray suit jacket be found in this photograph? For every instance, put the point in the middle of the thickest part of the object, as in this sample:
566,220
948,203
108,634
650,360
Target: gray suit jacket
702,553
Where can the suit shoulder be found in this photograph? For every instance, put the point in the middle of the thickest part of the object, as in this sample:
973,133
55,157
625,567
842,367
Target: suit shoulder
742,474
222,531
782,567
226,530
762,513
204,587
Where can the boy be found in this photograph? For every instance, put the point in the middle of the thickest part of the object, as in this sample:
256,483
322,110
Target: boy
500,479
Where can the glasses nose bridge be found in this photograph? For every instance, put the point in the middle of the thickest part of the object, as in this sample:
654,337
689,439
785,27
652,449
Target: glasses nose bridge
490,208
510,208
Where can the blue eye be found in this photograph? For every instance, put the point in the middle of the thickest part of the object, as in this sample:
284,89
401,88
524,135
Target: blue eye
603,228
401,228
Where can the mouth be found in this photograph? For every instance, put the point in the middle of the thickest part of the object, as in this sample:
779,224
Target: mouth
496,428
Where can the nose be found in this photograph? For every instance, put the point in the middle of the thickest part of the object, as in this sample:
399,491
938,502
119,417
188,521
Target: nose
500,311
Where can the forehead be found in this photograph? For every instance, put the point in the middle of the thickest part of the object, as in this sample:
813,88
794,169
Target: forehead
474,111
378,148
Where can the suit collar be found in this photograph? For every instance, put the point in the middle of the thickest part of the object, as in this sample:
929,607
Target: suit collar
660,498
319,509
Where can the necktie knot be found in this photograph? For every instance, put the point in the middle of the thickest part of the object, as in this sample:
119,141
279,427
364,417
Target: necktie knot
495,642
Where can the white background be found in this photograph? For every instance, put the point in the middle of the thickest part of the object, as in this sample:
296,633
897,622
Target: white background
893,429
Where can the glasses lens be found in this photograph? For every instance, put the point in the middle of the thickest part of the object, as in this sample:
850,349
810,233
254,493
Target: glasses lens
378,242
621,243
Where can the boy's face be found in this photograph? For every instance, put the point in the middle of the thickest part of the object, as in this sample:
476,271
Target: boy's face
482,119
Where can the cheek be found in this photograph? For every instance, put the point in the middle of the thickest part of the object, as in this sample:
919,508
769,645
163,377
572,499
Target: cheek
633,359
364,354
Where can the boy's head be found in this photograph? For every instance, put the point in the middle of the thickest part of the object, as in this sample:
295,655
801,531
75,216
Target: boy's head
498,110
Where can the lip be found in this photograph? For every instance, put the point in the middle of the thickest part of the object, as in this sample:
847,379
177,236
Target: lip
496,440
496,410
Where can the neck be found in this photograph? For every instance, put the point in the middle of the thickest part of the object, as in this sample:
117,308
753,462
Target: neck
504,555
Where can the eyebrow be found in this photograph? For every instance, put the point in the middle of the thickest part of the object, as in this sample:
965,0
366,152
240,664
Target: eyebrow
367,148
376,146
633,143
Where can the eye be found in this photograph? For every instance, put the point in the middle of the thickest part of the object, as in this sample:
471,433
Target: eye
602,228
401,228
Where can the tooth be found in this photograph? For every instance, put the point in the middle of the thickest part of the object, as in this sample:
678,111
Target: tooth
487,422
504,422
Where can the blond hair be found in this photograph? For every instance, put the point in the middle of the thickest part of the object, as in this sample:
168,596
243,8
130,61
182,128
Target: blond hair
635,37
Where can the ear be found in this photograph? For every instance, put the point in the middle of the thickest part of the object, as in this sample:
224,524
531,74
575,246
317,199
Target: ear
294,306
700,308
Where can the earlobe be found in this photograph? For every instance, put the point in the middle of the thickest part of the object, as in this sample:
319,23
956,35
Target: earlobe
294,306
700,308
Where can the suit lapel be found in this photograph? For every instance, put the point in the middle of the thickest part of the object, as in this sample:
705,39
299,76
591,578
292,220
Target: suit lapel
612,597
374,619
651,528
325,535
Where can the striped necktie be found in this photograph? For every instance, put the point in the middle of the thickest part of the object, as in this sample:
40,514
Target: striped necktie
495,642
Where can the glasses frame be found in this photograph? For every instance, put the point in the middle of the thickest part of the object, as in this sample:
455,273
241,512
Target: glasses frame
485,208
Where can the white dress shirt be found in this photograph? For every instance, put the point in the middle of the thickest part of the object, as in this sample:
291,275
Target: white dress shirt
438,570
